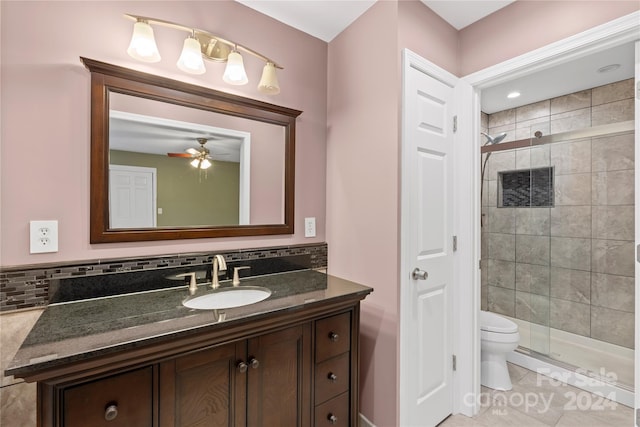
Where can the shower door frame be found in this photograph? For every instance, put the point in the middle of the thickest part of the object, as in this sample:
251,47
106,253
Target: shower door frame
616,32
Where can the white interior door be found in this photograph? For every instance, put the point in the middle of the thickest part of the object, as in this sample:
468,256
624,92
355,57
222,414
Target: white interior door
132,197
426,315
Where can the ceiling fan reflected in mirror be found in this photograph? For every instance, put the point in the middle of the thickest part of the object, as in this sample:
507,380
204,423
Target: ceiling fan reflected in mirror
201,156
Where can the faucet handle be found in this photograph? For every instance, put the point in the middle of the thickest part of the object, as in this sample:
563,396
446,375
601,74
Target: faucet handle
236,276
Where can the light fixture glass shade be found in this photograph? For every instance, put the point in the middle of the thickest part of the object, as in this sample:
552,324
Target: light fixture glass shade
235,74
191,57
204,164
143,44
269,81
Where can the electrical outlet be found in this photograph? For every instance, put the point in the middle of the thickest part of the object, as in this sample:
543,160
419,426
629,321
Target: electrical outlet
310,227
43,236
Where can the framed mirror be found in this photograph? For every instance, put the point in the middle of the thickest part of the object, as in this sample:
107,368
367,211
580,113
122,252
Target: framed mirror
171,160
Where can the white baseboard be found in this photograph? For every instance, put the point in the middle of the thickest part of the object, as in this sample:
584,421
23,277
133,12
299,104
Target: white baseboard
364,422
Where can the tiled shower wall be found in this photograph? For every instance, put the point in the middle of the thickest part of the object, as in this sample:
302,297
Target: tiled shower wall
569,266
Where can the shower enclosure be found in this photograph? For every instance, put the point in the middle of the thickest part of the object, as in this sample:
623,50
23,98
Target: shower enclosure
558,229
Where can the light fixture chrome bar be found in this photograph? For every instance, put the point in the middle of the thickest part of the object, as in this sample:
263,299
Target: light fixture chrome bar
211,51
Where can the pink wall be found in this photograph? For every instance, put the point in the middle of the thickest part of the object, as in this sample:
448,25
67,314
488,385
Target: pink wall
527,25
362,191
427,34
363,176
45,112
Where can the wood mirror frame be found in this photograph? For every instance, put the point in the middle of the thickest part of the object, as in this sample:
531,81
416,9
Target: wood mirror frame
106,78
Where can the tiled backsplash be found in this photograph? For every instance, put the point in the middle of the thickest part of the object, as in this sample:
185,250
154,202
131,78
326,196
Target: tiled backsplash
37,285
570,266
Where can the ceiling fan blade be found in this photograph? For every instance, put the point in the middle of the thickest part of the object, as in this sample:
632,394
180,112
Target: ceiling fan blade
192,151
179,155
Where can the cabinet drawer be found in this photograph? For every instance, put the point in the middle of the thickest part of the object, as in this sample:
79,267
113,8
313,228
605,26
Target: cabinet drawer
121,400
335,412
333,336
332,377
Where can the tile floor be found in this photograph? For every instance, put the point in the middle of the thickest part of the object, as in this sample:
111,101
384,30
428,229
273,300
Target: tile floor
538,401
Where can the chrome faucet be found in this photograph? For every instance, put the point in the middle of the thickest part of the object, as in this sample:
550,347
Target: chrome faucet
219,264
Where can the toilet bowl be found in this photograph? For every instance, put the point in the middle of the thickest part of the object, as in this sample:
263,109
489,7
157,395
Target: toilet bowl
498,336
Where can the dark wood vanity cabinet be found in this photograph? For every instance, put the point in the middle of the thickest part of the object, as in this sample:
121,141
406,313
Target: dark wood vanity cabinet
300,373
121,400
263,381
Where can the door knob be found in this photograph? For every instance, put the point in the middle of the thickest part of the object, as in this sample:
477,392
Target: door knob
418,274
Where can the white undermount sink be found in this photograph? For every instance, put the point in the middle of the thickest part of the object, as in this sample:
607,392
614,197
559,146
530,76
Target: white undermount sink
228,298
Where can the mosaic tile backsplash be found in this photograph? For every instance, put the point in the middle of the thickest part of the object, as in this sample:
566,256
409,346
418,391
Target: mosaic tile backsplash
38,285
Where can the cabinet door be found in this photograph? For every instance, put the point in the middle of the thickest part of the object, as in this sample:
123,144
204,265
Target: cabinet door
205,388
120,400
279,387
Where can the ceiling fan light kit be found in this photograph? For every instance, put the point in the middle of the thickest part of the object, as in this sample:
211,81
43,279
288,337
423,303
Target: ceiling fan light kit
201,156
198,45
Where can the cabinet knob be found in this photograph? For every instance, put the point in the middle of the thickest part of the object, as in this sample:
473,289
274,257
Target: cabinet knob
254,363
111,412
333,336
332,377
242,367
332,419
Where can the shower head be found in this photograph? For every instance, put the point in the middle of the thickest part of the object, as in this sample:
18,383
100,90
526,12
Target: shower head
494,139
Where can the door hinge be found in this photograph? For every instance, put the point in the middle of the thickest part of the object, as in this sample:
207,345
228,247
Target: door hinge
454,362
455,124
455,243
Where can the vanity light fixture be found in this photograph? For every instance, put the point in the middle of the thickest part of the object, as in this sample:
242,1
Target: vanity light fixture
198,45
269,81
190,60
234,73
143,44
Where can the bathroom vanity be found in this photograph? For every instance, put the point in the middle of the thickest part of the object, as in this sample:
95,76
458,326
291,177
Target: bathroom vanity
146,360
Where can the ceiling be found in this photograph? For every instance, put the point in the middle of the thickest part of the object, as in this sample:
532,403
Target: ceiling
326,19
144,134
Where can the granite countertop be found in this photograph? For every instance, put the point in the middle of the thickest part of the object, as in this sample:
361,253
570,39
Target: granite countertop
73,331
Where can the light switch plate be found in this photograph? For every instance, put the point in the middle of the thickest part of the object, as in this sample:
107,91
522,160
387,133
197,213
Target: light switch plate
310,227
43,237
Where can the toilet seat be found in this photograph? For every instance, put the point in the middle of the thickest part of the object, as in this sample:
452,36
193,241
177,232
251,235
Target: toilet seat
493,323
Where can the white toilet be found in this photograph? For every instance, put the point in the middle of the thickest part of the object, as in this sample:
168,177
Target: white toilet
498,336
